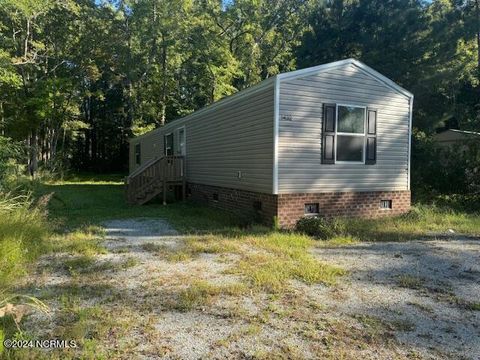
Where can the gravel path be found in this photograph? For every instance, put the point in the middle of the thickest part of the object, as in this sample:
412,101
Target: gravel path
427,288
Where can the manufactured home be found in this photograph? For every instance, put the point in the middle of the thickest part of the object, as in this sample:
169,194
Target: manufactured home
330,140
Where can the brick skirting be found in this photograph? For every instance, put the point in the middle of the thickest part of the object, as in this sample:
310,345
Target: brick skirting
247,204
288,208
291,207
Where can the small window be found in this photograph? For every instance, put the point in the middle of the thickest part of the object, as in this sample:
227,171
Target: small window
138,154
215,197
312,209
385,204
350,134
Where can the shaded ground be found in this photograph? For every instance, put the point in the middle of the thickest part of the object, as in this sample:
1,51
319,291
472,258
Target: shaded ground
143,297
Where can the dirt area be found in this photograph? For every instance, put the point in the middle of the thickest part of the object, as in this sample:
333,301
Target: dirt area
398,300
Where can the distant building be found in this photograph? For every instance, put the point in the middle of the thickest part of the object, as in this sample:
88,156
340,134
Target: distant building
456,138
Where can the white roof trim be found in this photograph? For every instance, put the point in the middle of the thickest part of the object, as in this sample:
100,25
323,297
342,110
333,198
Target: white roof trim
366,69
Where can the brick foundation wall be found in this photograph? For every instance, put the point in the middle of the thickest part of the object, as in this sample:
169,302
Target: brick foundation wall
291,207
241,202
288,208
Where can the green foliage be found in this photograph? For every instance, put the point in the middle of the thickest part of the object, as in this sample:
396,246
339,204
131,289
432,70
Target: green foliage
439,170
319,227
11,156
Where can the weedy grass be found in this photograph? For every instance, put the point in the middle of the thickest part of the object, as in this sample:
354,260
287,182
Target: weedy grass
338,241
202,293
410,281
421,221
24,232
278,258
86,240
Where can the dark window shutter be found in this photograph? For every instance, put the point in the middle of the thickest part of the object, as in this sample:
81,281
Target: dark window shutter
328,134
371,155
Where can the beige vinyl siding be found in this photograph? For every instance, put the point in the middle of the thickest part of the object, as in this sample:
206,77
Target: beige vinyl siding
231,136
299,144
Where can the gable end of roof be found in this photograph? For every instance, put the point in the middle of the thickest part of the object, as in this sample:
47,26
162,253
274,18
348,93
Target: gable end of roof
358,64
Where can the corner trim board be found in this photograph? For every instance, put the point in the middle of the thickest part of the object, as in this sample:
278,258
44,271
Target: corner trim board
410,142
276,126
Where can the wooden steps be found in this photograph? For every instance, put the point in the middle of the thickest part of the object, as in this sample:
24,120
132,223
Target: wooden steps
154,178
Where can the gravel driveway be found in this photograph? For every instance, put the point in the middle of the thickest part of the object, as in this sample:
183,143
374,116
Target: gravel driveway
416,299
430,288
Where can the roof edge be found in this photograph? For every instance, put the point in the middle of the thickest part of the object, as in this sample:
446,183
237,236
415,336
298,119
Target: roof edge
223,101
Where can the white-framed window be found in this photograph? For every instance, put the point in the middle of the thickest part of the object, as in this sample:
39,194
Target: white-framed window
350,124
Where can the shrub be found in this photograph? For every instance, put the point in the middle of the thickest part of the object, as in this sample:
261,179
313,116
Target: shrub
319,227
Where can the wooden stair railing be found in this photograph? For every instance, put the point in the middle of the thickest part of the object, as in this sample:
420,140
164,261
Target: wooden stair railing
154,178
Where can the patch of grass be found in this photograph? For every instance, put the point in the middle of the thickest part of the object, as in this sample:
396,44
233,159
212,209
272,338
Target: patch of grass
90,326
88,265
129,263
86,240
338,241
421,306
373,326
153,248
78,265
285,257
196,245
410,281
178,256
268,260
251,329
474,306
210,245
421,221
203,293
402,325
78,290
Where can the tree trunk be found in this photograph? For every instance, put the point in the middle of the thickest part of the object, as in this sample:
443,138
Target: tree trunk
2,120
477,13
33,158
163,100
